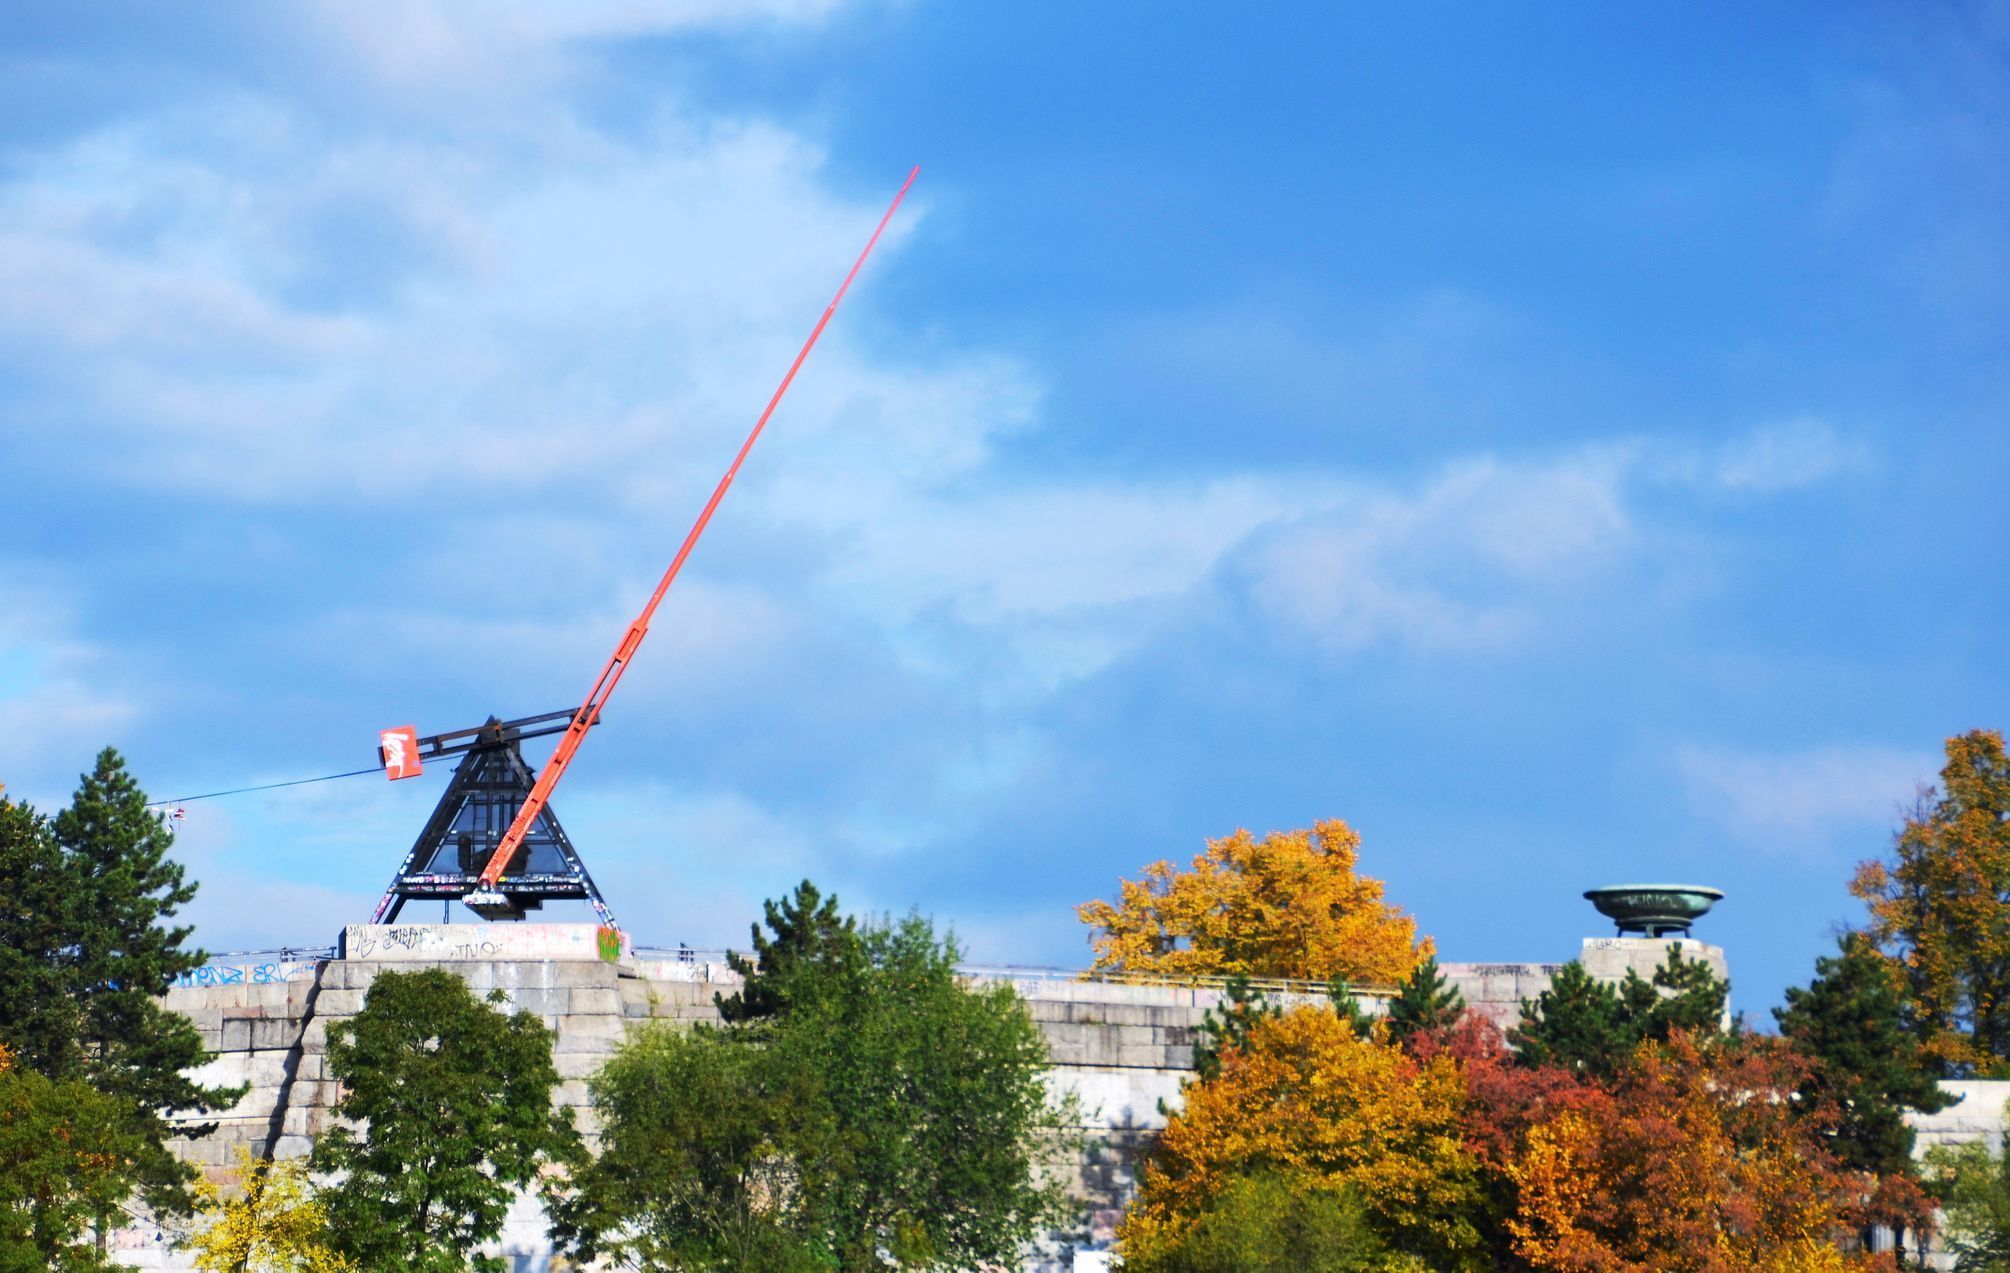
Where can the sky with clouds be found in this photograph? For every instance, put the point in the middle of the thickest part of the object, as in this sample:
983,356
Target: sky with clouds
1568,444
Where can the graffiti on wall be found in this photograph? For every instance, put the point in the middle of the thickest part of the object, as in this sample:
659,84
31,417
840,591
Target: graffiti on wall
272,972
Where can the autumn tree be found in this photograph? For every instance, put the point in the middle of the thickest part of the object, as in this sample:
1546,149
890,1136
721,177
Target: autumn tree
268,1222
1694,1161
1938,913
1304,1095
446,1102
1288,905
1505,1097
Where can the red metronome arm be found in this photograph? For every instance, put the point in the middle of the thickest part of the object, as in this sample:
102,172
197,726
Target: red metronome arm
624,653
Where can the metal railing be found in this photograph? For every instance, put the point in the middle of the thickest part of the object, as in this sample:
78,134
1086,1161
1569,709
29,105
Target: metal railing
708,959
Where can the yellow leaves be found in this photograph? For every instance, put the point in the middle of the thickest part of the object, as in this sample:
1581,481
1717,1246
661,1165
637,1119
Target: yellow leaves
1288,905
1556,1185
1307,1097
272,1224
1935,909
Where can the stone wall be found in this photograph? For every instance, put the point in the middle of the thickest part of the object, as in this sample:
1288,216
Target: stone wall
1124,1049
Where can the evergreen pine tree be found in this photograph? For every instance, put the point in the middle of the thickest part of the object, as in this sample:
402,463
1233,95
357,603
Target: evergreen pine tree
1426,1002
1683,994
1578,1023
121,954
1341,995
1850,1021
1592,1028
40,1018
807,930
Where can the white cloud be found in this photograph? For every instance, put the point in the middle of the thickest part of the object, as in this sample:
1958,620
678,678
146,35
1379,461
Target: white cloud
1465,561
1788,800
446,46
1787,456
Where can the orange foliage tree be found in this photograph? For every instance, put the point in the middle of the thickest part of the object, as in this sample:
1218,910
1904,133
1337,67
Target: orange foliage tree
1937,914
1694,1161
1306,1098
1288,905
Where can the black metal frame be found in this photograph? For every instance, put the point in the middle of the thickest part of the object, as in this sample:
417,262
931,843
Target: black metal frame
493,777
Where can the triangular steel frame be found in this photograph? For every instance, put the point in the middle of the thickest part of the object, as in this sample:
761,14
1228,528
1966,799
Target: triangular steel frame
490,783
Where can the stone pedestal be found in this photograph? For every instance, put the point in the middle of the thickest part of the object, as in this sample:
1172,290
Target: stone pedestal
1611,958
450,943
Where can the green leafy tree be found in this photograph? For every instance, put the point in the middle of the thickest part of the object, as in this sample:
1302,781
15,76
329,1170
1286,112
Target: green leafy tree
1426,1003
937,1116
1683,994
1276,1222
890,1117
449,1099
1973,1186
1225,1027
703,1137
67,1154
1937,910
807,930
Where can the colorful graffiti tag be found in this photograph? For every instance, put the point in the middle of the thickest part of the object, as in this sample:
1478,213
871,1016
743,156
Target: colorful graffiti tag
261,974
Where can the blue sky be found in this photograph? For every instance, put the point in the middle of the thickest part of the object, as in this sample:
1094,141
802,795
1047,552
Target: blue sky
1568,444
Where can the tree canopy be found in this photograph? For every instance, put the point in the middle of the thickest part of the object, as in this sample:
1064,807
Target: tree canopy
1305,1095
87,947
1850,1022
1591,1028
1288,905
887,1116
807,930
1426,1003
67,1159
1937,910
447,1101
269,1222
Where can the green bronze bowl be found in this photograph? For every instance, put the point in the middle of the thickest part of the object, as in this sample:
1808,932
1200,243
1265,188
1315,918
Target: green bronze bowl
1655,910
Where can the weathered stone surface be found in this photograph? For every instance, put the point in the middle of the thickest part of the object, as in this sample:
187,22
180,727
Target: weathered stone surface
1122,1049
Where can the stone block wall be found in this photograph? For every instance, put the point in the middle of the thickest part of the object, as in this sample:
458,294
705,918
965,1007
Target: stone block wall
1123,1049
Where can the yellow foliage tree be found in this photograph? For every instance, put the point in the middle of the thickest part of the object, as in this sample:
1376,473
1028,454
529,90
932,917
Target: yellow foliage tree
271,1224
1288,905
1305,1097
1936,909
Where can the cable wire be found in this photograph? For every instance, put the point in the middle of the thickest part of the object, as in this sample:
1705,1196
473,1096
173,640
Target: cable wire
238,791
